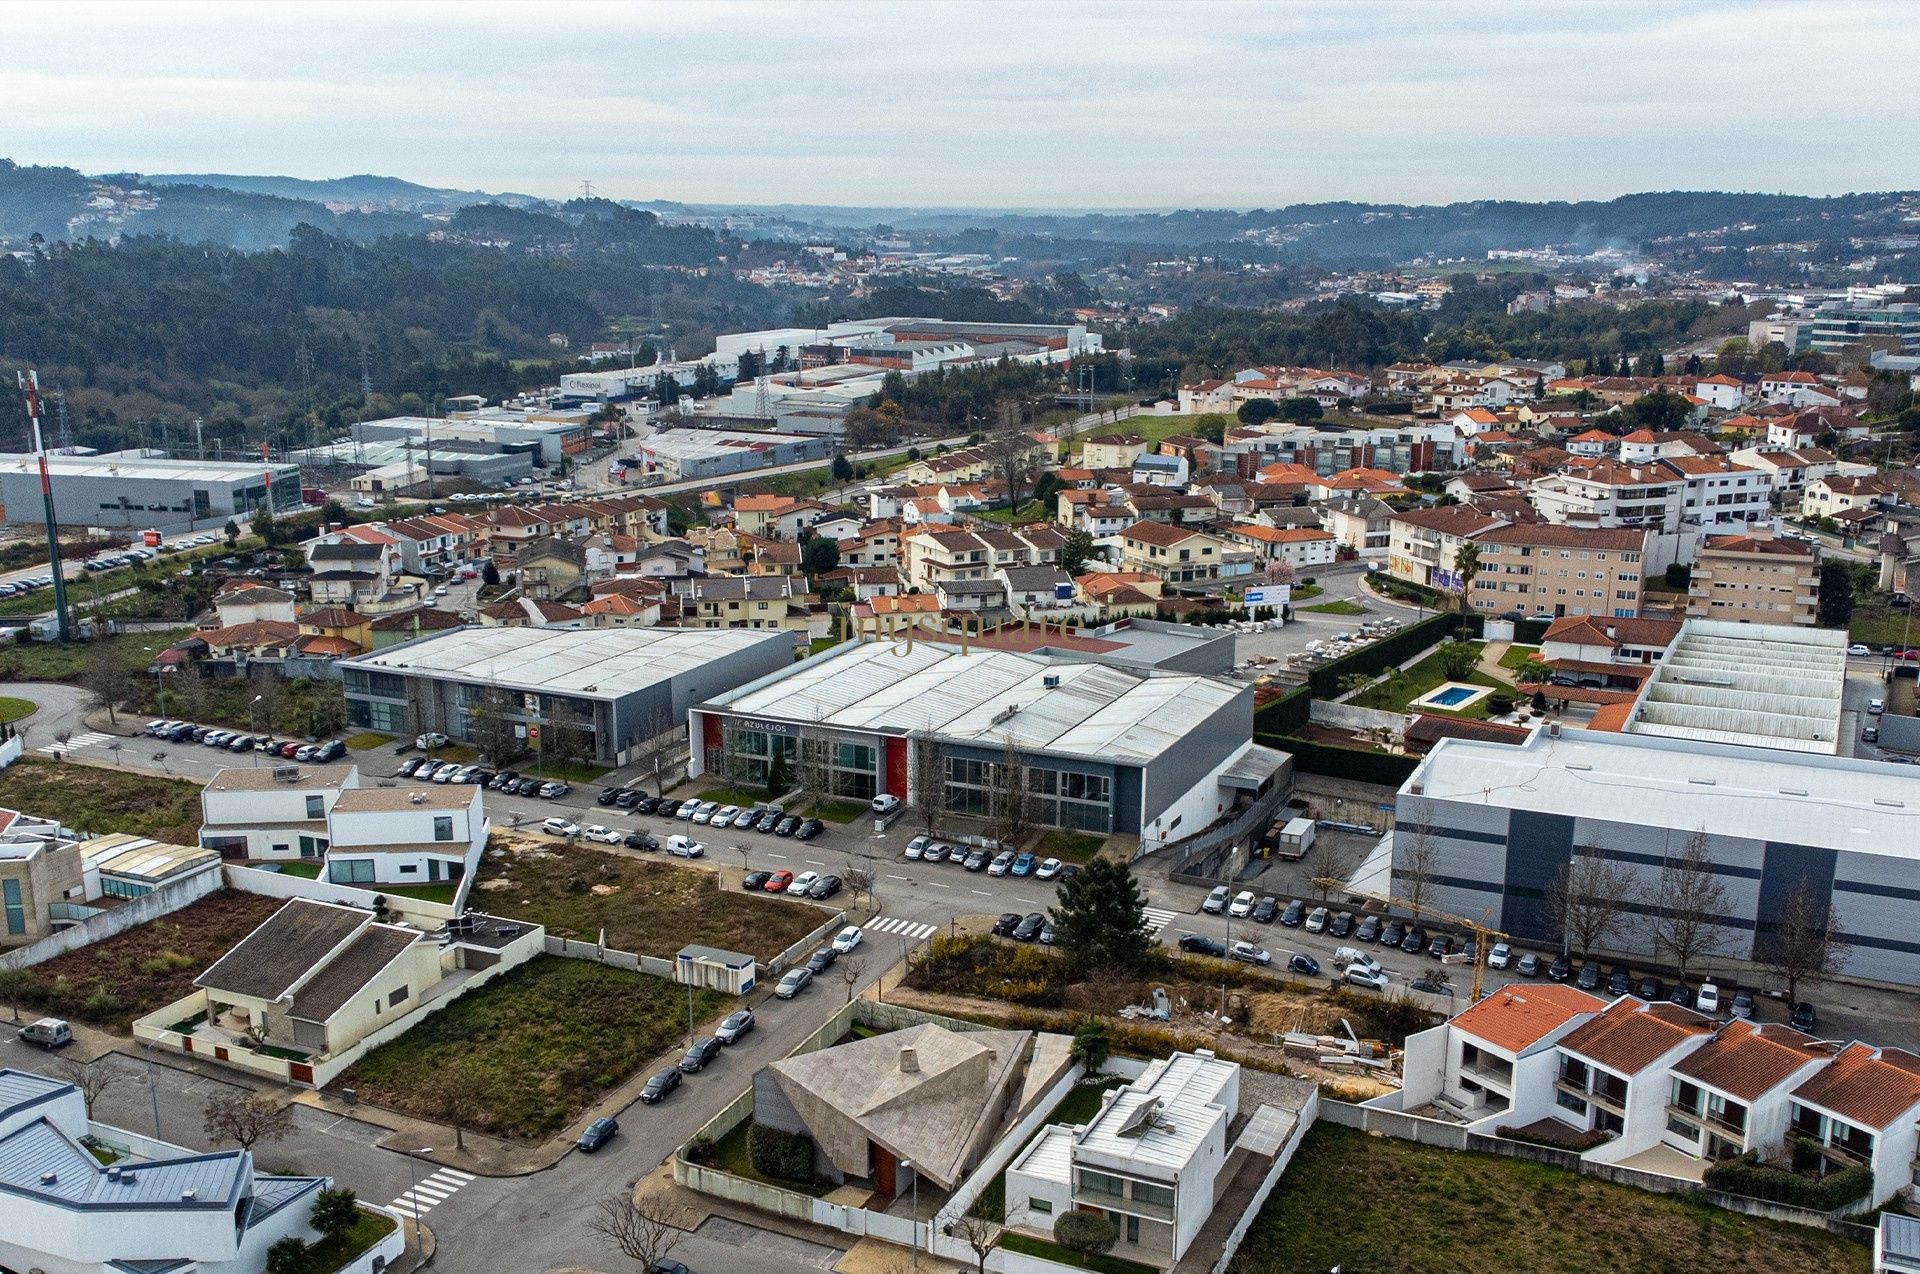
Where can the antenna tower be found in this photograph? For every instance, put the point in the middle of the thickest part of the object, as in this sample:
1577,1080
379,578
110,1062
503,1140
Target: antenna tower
30,386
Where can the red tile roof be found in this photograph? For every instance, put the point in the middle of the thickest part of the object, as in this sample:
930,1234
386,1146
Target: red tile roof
1866,1086
1516,1018
1632,1034
1746,1059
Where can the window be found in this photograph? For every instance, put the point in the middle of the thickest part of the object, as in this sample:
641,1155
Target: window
443,827
316,807
394,1000
1161,1195
1133,1229
1040,1207
16,910
409,869
351,871
312,846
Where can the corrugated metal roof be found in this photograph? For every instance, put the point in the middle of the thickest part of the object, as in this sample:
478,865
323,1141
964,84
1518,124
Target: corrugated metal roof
39,1150
993,697
1188,1087
21,1089
612,661
1050,1157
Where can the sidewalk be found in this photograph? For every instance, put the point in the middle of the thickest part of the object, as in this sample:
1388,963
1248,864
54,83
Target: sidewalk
1490,658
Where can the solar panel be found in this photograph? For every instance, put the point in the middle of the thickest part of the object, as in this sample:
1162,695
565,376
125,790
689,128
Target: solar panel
1267,1131
1138,1119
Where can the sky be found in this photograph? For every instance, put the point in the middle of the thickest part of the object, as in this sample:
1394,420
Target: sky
1182,103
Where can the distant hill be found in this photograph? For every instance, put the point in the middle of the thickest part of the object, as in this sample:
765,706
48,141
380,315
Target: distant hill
386,194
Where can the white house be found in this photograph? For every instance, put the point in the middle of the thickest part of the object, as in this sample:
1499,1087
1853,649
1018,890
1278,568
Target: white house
1863,1107
1613,1073
406,835
1495,1063
1723,392
1301,547
62,1211
1730,1095
1149,1159
272,811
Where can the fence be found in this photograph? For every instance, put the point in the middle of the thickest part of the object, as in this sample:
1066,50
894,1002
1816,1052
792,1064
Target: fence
1349,717
1383,768
1286,714
1434,1132
420,912
627,960
135,911
805,947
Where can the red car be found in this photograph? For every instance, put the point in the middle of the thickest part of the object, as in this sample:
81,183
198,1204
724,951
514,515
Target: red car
1910,654
778,882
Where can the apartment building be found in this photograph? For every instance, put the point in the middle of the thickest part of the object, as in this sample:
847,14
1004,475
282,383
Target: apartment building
760,602
1609,493
1539,569
1298,546
1832,496
1179,555
1720,492
41,871
934,557
1362,526
1755,578
1424,545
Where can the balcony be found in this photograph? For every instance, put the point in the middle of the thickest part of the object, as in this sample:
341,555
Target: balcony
1083,1197
1490,1072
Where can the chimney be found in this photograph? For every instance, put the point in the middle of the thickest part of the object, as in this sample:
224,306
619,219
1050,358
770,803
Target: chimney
909,1060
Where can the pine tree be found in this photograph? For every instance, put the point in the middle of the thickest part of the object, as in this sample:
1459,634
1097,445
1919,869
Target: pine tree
1101,922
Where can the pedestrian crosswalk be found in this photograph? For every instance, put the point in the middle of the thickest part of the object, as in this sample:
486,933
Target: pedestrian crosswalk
1160,918
436,1189
910,929
88,739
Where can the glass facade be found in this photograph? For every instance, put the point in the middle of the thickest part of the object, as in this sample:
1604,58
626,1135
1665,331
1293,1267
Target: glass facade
1055,797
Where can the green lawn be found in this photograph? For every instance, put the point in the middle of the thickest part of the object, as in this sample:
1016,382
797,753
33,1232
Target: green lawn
329,1255
1385,1206
730,1154
1425,676
305,871
1877,623
1306,592
1070,847
367,740
744,796
1518,657
1339,606
425,893
1054,1252
1031,511
94,799
56,661
838,811
535,1047
12,709
571,771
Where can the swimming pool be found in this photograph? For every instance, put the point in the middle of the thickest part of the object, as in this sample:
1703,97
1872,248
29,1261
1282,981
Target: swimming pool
1450,697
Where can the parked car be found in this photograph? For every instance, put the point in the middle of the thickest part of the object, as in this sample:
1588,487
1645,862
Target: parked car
1650,989
756,881
722,817
916,848
1682,994
1619,982
1362,976
1802,1018
1201,944
659,1086
504,779
977,859
598,1133
701,1052
1392,932
1341,925
1249,952
1267,910
1024,863
668,808
796,981
1317,920
646,805
685,847
1500,956
885,803
1588,979
431,739
1007,923
848,938
1707,999
1561,969
1002,863
49,1033
808,829
1529,965
608,795
769,819
1048,869
777,882
703,813
1295,913
1029,928
1742,1006
554,790
803,882
936,851
1432,984
1217,899
1368,931
1302,963
1242,904
1414,941
639,840
734,1026
787,826
825,887
600,833
1441,946
560,827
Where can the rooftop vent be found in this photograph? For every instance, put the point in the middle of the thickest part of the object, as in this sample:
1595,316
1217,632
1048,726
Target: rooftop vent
1051,680
49,1178
286,774
189,1195
909,1060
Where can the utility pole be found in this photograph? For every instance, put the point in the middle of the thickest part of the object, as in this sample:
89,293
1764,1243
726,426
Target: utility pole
30,386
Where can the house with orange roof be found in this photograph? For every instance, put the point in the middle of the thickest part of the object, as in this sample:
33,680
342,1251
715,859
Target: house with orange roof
1288,474
1721,391
1613,1073
1863,1107
1495,1062
621,610
1731,1095
1298,546
1374,482
1474,421
1178,554
775,517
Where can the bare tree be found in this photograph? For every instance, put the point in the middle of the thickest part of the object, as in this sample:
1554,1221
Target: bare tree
641,1229
247,1119
1588,900
654,744
1804,940
1013,454
492,727
568,735
813,767
852,969
1416,856
189,693
978,1233
270,688
861,880
1688,903
94,1079
928,788
454,1104
1014,811
1326,863
105,677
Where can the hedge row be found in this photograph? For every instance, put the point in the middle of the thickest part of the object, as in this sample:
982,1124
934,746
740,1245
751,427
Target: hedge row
1361,766
1290,712
1747,1175
785,1156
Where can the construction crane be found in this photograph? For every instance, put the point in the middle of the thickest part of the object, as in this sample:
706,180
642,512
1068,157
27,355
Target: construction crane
1484,934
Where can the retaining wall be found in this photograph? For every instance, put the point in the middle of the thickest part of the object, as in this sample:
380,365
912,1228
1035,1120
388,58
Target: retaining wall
135,911
419,912
1004,1150
1308,1113
607,955
1350,717
805,947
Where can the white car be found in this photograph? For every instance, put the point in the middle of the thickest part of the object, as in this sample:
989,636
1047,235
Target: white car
885,803
917,848
560,827
1249,952
1858,649
1501,956
1708,1001
803,882
847,939
602,833
1049,868
1317,920
685,847
431,739
722,817
1243,903
440,590
1002,864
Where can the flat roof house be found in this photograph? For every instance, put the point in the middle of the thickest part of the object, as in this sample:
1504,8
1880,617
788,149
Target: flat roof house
406,835
272,811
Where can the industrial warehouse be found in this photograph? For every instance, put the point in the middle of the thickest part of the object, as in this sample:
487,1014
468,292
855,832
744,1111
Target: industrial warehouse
135,491
623,686
1097,748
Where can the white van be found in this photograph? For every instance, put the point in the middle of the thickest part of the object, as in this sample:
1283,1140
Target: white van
1352,957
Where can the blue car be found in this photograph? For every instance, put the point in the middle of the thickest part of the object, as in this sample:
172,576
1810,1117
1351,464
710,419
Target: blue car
1024,865
598,1133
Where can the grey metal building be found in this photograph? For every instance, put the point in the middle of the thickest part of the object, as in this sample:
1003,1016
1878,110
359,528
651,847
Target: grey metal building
625,685
1500,822
140,492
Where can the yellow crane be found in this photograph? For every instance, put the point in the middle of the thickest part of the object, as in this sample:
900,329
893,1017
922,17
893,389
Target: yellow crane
1484,934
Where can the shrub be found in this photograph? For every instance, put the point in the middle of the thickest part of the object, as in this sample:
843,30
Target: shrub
978,964
1747,1175
785,1156
288,1256
1500,705
1576,1141
167,962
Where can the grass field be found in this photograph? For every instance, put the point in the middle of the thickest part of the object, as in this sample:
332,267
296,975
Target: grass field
1425,676
1877,624
326,1255
55,661
1518,657
367,740
535,1047
12,709
92,799
1070,847
1494,1215
1339,606
136,971
731,1154
652,907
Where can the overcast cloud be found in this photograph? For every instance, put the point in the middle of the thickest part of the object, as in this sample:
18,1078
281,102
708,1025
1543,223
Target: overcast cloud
1113,105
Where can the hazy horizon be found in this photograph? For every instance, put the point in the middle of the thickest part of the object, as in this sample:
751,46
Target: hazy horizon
983,106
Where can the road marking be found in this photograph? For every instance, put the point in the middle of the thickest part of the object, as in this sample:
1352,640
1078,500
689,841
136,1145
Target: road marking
982,892
938,885
430,1192
1159,918
905,928
87,740
891,876
1033,902
781,857
813,862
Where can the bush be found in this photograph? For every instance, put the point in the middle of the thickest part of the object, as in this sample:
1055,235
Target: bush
785,1156
978,964
1747,1175
1575,1141
1500,705
1679,575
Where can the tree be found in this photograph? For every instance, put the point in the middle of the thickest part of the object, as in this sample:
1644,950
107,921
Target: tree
334,1213
1299,410
1466,565
819,555
1458,659
287,1256
454,1104
568,736
1416,858
1011,454
232,531
1101,921
842,469
1076,552
642,1229
492,727
489,573
15,984
264,525
1013,801
1257,411
333,513
1326,862
1588,900
270,689
105,677
1532,673
1661,411
927,789
246,1119
852,969
1084,1234
979,1234
94,1079
1688,903
1047,488
1804,940
1836,594
1091,1047
777,771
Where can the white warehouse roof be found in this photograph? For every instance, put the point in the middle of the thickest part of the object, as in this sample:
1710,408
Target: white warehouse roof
990,697
1763,685
1866,807
589,663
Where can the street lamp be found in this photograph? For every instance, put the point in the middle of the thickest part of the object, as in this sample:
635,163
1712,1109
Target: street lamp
413,1193
907,1165
153,1088
253,719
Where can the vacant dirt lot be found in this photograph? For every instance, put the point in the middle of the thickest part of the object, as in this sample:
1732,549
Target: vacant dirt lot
114,981
649,906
